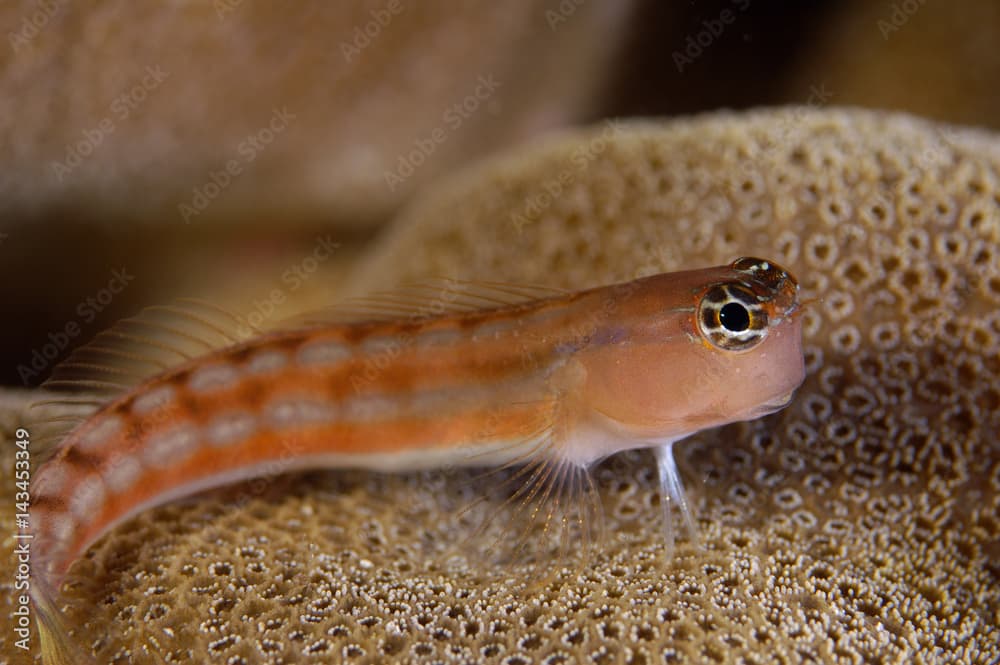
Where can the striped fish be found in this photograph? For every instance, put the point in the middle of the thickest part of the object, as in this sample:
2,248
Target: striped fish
486,375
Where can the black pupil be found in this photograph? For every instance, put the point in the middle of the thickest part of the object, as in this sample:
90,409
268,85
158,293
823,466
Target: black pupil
734,317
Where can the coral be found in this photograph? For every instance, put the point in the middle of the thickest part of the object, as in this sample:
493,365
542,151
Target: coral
861,524
248,113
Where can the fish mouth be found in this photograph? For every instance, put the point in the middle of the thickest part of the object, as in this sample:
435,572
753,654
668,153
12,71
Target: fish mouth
776,404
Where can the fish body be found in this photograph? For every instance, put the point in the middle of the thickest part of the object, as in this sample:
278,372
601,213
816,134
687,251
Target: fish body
559,382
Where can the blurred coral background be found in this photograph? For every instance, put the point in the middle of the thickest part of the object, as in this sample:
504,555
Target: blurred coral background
206,148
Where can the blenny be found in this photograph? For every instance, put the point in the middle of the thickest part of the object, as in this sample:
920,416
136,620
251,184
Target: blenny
483,374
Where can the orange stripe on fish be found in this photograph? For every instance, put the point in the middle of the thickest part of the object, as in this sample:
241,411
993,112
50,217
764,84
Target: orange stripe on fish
554,383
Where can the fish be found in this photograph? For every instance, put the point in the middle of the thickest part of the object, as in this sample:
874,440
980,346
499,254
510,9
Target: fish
542,381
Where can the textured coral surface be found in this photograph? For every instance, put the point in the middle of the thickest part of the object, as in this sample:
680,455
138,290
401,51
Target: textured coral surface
861,524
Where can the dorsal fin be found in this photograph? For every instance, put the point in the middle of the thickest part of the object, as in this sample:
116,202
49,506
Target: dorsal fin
432,297
163,336
123,356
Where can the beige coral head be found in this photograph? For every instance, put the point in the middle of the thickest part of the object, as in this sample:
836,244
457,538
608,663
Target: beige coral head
857,525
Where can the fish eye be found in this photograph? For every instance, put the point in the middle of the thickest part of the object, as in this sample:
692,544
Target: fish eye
734,317
731,317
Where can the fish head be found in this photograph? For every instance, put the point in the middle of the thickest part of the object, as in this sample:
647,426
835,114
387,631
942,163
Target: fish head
716,346
750,331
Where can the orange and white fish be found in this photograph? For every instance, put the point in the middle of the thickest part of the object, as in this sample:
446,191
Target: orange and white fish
487,375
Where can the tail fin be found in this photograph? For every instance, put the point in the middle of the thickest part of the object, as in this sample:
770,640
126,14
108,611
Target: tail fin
58,646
